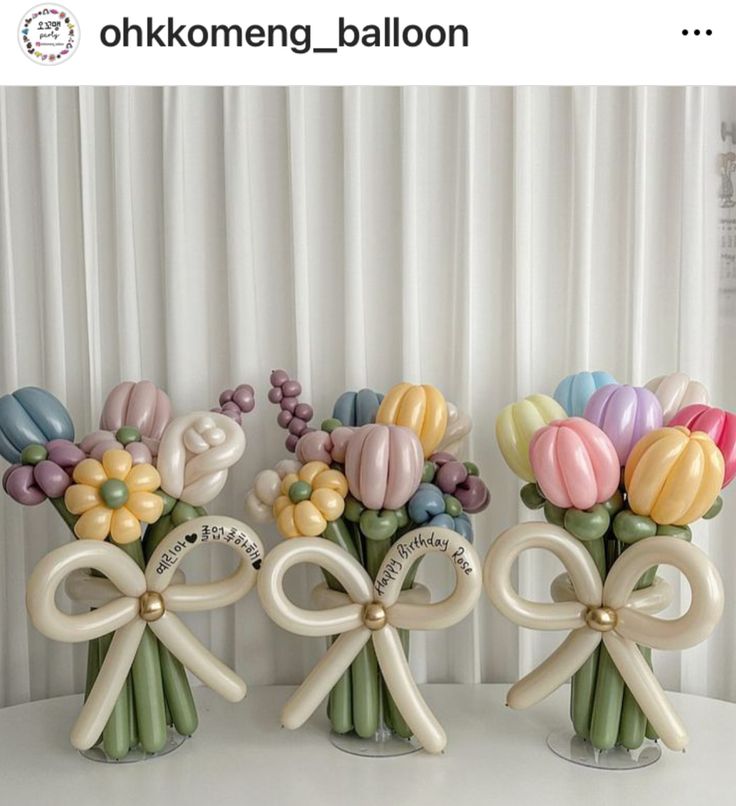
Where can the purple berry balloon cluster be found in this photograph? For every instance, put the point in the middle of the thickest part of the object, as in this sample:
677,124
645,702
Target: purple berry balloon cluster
234,403
294,416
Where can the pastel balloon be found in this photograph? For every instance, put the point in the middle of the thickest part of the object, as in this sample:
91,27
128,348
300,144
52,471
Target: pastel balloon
575,463
673,475
574,391
321,446
454,478
459,425
140,405
427,502
31,483
316,446
357,408
675,392
624,414
383,465
719,425
259,500
195,453
98,442
421,408
518,423
31,416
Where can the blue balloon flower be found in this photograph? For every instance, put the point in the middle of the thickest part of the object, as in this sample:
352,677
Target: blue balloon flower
29,416
464,527
357,408
426,502
427,506
574,391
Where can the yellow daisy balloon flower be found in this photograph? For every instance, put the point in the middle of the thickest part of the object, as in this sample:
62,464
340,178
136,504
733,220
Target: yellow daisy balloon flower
112,497
309,500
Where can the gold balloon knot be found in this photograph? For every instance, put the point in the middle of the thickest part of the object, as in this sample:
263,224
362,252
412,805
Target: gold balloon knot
374,616
151,606
601,619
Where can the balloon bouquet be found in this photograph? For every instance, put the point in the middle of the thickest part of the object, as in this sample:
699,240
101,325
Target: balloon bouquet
378,485
133,494
619,472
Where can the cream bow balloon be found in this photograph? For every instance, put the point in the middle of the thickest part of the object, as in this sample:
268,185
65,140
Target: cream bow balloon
131,599
373,612
195,453
612,612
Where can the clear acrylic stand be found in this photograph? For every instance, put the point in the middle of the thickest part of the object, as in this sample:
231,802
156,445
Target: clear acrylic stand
137,753
383,744
566,744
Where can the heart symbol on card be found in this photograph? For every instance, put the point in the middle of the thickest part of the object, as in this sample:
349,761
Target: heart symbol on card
191,538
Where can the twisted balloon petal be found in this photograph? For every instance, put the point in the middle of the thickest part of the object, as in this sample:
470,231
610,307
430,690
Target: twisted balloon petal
459,425
259,500
195,454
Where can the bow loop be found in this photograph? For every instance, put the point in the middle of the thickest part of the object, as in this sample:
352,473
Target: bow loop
399,561
706,605
52,570
163,563
317,551
560,615
130,599
369,611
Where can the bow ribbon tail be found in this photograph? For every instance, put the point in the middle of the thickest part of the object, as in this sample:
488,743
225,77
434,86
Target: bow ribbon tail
646,690
107,686
170,630
555,670
323,677
403,688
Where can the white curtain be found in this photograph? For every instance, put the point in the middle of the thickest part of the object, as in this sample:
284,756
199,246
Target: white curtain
486,240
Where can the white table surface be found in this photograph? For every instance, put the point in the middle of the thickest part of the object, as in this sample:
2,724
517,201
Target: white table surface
240,755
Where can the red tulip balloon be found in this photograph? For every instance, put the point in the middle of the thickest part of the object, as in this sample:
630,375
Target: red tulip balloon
625,414
575,463
719,425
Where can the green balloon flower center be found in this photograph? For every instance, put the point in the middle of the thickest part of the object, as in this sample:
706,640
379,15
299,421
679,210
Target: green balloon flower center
127,434
452,506
300,491
330,424
114,493
33,454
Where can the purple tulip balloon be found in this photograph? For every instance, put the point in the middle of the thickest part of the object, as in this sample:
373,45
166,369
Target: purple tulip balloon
625,414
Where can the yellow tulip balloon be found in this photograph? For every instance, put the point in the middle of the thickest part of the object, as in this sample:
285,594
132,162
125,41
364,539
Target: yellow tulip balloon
516,425
674,475
421,408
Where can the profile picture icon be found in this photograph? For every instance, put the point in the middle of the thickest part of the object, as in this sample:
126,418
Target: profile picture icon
48,34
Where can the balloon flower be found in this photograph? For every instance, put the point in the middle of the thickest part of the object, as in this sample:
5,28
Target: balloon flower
364,484
574,391
610,481
129,486
675,392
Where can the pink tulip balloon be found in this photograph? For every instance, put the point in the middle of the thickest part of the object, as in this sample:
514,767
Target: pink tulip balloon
575,463
383,465
719,425
624,414
141,405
